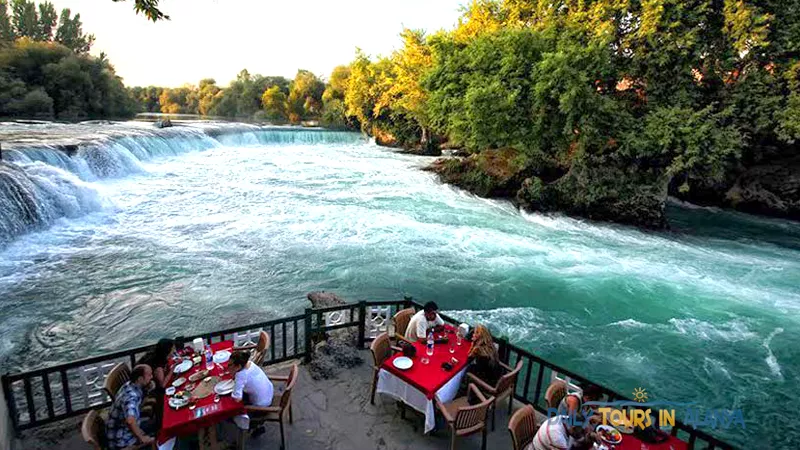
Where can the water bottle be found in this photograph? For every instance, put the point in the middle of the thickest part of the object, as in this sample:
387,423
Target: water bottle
429,350
209,359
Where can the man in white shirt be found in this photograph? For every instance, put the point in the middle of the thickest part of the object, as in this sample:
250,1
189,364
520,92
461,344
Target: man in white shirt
251,380
557,434
423,321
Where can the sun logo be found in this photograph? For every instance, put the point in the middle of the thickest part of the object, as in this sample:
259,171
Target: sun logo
640,395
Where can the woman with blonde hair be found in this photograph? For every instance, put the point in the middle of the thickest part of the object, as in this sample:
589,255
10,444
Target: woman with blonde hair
483,355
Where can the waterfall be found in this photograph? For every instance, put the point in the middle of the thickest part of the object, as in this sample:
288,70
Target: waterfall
45,180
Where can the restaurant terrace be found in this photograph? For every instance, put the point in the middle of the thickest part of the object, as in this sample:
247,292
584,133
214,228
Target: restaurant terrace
374,405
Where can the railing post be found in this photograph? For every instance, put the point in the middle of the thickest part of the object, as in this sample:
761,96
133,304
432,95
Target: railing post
362,322
12,404
307,334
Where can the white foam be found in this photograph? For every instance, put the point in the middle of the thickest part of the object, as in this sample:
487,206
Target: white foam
771,360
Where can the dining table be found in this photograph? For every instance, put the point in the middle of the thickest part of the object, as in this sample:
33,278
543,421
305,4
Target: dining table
631,442
207,413
417,385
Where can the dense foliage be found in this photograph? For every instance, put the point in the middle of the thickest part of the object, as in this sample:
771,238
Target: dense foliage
45,69
658,92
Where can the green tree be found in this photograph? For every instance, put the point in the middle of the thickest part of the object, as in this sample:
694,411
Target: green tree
149,8
25,19
274,103
48,18
7,34
70,33
305,96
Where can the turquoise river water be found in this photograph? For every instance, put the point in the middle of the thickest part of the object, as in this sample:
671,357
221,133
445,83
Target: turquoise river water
149,234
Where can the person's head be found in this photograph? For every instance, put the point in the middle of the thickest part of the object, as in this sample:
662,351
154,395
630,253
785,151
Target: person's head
142,375
238,361
592,393
431,310
163,349
482,343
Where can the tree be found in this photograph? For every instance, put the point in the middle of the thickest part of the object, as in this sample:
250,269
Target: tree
25,19
70,33
7,33
207,95
48,18
274,102
149,8
305,96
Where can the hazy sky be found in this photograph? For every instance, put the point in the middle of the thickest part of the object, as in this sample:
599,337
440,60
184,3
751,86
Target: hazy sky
218,38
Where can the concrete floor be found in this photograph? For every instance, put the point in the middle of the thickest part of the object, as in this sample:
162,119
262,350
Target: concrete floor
328,414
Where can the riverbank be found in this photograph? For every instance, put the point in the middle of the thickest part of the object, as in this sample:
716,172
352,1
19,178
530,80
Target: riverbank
604,193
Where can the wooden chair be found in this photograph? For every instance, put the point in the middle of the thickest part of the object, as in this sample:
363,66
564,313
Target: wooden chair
522,427
381,349
281,404
505,387
555,393
464,419
401,320
118,376
93,430
258,351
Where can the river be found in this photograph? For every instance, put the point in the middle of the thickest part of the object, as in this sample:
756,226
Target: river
143,234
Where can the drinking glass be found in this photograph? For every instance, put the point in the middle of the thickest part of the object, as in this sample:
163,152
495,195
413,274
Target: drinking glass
429,351
458,338
452,347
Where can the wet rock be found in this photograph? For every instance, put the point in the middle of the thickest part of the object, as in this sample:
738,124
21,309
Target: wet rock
334,351
164,123
770,189
490,173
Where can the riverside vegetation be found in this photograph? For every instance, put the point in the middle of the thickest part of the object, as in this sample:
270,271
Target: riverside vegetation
600,109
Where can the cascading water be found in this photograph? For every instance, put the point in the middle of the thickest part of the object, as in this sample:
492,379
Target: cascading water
147,233
41,182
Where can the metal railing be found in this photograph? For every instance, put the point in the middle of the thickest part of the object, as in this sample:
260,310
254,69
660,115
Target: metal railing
49,394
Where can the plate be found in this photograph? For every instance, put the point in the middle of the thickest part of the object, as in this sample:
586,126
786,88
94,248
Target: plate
170,390
403,363
184,366
222,356
198,375
179,382
608,434
178,402
224,387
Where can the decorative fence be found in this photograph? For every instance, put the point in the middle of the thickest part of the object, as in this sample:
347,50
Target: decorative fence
46,395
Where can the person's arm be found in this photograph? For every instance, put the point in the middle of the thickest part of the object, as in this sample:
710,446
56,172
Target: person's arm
422,329
160,375
238,386
131,414
572,404
439,321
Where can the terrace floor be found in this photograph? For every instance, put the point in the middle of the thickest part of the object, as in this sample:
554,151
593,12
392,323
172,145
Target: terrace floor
328,414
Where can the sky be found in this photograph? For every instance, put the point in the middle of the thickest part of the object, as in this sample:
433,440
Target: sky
218,38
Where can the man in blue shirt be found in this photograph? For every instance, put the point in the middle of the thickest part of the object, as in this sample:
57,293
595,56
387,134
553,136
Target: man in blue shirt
123,428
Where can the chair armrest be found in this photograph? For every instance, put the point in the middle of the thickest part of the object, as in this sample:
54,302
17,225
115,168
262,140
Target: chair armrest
444,411
478,392
481,384
396,349
505,366
284,378
402,338
245,347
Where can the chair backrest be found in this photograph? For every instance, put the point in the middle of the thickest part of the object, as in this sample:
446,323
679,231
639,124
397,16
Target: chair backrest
555,393
116,378
260,352
401,320
287,392
93,430
522,427
506,382
380,349
472,418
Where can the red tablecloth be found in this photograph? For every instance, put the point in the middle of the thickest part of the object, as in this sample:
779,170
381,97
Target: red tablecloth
182,422
429,378
630,442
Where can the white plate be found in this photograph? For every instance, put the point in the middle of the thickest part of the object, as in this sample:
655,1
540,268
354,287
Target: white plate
184,366
609,429
179,382
170,390
224,387
403,363
222,356
178,402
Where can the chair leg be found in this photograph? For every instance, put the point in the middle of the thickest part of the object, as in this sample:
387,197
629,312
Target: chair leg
283,439
483,443
494,415
452,439
402,410
291,419
240,443
374,388
511,400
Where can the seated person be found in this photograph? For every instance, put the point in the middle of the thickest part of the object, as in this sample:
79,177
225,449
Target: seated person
573,402
249,379
158,359
423,321
485,362
124,425
557,434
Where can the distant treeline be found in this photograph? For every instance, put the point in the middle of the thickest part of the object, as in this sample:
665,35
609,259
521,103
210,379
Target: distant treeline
46,71
271,98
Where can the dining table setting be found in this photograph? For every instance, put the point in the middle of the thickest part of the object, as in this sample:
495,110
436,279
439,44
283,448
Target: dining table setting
197,396
414,377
